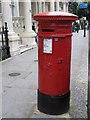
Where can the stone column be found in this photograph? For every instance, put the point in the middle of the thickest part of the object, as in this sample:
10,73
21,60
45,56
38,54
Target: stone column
28,36
17,7
46,7
40,7
43,6
60,9
64,7
7,14
1,19
13,37
57,5
52,5
36,7
67,6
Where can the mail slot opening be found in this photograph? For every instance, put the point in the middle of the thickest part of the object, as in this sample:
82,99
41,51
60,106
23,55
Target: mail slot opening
47,30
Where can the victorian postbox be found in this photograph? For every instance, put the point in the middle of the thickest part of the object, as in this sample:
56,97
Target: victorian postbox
54,56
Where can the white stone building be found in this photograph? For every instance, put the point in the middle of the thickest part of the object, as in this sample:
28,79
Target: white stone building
19,16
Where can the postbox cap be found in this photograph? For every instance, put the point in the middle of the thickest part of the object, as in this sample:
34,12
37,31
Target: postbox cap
55,16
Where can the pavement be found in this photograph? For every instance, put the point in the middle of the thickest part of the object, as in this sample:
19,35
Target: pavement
20,83
89,78
0,91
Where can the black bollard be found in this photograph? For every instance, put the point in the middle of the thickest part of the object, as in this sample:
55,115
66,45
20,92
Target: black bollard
84,29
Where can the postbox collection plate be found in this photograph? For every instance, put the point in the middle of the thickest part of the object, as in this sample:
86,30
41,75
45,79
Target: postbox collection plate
47,45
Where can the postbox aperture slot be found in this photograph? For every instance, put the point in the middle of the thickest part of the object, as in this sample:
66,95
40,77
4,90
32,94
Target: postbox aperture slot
47,30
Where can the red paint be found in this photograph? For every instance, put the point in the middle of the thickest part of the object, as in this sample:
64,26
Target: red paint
54,69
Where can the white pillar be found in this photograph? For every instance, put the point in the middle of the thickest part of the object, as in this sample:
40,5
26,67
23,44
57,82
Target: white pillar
57,5
7,14
17,7
40,7
67,7
1,19
46,7
13,37
64,7
28,37
27,13
60,9
43,6
52,5
36,8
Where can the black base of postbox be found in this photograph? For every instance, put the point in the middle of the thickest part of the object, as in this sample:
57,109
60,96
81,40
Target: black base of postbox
53,105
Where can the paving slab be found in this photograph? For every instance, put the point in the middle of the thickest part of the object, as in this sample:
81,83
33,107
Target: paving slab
0,91
19,92
18,103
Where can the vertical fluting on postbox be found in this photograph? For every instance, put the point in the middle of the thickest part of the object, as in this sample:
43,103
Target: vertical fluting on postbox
54,57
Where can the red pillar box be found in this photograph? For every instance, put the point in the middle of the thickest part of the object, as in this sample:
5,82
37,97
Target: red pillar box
54,56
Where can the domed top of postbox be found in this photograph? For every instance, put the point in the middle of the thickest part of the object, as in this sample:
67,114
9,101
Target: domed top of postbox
55,16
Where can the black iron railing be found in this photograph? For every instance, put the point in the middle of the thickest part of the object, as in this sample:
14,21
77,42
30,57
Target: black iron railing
4,49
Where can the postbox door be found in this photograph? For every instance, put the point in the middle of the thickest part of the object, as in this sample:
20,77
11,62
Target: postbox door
62,54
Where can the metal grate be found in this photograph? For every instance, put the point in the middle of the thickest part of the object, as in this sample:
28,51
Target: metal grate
14,74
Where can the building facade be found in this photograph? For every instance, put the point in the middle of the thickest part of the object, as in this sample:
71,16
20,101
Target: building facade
19,16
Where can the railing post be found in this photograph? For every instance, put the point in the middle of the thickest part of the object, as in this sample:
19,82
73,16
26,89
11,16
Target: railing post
7,40
2,36
3,52
3,47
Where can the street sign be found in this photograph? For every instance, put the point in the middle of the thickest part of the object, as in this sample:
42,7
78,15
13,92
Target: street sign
83,5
